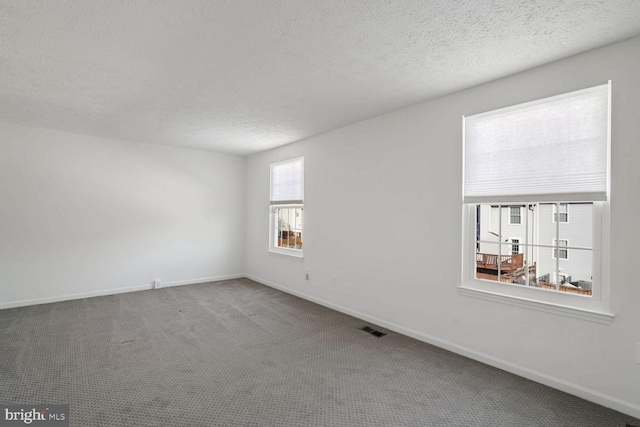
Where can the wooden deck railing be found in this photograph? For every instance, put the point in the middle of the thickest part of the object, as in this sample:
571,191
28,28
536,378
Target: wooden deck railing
565,288
508,263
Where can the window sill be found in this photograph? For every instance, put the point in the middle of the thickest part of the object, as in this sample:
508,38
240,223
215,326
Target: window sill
287,254
559,309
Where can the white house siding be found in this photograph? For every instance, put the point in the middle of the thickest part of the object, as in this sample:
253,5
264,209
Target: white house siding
490,223
577,231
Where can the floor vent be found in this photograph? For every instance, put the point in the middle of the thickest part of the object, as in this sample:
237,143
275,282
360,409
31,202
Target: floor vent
373,332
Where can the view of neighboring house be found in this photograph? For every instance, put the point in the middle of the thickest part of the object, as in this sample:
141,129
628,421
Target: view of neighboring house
545,245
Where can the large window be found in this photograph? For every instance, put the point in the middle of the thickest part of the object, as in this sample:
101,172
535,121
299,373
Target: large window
523,165
287,207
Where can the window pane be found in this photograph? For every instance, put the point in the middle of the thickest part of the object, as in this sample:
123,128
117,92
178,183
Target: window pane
576,265
522,241
563,212
289,228
487,261
560,248
511,265
579,230
572,260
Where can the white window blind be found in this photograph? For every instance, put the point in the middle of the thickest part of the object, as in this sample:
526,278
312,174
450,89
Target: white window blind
552,149
287,182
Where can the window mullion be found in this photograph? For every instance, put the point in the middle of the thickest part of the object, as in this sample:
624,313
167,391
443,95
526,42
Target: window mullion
499,262
526,244
557,245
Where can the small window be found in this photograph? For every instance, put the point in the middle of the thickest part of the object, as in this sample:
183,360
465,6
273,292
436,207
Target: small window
287,207
288,226
560,248
515,246
514,215
563,214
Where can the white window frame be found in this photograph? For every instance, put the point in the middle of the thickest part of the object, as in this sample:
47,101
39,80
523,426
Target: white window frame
595,308
519,215
273,205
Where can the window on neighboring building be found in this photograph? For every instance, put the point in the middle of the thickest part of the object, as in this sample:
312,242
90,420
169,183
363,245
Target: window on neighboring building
515,246
561,212
509,185
287,207
514,215
560,247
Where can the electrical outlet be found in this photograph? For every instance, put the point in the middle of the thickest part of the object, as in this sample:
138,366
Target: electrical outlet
157,284
333,280
638,353
307,275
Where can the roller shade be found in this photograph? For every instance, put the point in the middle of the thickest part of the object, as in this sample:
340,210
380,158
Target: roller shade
287,182
552,149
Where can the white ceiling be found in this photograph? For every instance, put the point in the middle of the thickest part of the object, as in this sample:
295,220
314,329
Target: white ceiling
241,76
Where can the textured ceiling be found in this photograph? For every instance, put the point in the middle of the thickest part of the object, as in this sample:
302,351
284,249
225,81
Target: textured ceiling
241,76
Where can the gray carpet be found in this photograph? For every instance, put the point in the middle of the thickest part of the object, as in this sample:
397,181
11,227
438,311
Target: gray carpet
237,353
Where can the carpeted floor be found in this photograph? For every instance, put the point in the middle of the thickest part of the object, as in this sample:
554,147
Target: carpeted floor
237,353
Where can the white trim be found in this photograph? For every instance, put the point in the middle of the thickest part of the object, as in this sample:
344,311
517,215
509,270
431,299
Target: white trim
295,253
535,304
591,395
203,280
114,291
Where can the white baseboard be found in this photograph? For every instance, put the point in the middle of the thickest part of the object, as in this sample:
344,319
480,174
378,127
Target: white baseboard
68,297
203,280
114,291
539,377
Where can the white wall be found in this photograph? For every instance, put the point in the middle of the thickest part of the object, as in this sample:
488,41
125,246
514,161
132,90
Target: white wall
397,261
83,216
